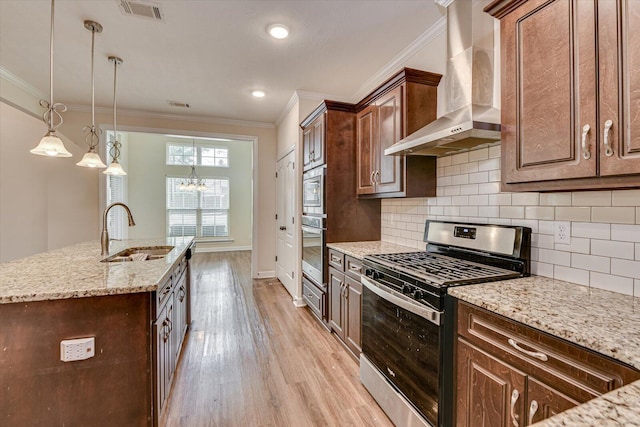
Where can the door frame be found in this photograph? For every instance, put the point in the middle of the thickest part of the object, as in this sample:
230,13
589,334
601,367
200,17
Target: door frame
196,134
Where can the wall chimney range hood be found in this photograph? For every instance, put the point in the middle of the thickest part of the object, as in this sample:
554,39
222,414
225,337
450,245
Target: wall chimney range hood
471,101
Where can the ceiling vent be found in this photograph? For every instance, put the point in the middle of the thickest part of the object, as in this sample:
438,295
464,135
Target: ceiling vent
141,8
178,104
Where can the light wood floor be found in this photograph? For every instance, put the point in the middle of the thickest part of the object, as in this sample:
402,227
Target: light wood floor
253,359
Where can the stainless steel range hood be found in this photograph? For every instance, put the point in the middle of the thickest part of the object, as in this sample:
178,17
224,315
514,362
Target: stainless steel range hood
471,101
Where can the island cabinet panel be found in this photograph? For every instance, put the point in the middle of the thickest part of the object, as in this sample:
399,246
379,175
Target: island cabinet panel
510,373
112,388
569,98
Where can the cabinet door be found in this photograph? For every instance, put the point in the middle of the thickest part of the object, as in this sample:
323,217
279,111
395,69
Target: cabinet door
388,176
336,301
619,62
307,146
366,149
489,392
544,401
317,146
181,303
353,315
164,357
549,90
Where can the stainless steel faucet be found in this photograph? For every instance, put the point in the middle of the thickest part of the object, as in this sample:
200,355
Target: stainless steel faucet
104,237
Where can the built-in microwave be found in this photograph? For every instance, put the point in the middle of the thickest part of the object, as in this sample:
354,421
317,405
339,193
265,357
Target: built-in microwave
313,192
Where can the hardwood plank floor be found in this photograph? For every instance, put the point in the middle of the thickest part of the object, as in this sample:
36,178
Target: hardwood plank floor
253,359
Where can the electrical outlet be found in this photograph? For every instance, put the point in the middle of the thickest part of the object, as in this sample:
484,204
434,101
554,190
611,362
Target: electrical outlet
562,232
77,349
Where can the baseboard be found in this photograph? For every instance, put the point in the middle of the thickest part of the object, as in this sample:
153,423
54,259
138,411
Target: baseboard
265,274
200,249
299,302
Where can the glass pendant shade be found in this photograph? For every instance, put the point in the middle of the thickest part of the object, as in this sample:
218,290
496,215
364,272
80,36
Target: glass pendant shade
91,160
50,145
114,169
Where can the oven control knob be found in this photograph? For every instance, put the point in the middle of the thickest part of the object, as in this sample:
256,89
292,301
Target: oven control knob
417,295
407,290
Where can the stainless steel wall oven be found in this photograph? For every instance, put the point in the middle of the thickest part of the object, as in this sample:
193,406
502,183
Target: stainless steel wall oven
313,248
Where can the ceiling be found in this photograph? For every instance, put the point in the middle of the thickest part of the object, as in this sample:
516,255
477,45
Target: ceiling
211,53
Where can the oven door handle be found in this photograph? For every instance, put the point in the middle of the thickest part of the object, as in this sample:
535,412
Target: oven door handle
402,301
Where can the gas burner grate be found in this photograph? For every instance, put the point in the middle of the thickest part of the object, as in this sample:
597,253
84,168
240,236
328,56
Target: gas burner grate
440,269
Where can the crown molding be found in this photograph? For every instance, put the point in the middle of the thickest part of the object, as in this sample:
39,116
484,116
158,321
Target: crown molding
292,102
439,27
12,78
164,116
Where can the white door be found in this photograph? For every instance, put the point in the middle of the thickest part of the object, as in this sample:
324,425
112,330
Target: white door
285,223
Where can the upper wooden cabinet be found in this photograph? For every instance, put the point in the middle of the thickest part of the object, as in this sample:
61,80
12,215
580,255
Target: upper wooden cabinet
570,94
399,107
313,149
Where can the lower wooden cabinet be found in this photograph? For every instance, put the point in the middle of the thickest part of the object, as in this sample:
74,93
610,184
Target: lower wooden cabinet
172,317
509,374
345,303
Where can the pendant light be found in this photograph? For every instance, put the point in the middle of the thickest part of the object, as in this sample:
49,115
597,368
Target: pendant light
50,145
193,181
91,159
115,168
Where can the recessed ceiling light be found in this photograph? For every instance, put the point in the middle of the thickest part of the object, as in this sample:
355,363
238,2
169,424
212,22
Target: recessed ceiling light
258,93
279,31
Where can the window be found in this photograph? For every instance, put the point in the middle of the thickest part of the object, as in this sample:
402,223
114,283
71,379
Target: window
180,154
198,213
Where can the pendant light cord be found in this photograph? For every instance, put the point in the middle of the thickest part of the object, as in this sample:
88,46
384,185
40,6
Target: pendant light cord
115,71
51,67
93,83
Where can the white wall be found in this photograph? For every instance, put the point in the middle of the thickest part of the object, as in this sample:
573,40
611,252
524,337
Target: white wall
605,225
146,185
45,203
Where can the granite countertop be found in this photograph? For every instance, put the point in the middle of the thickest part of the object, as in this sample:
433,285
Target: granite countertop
603,321
361,249
76,271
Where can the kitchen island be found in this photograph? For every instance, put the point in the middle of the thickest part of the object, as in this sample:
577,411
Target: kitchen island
602,321
136,312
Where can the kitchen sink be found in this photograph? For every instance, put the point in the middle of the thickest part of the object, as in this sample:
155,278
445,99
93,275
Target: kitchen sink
138,254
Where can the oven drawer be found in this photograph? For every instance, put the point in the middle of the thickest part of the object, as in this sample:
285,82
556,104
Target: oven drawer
353,266
336,259
314,297
575,370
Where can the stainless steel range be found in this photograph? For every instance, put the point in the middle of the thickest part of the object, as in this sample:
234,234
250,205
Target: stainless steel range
408,323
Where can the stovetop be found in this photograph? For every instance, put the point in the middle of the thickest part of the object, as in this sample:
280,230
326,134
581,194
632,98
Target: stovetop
440,270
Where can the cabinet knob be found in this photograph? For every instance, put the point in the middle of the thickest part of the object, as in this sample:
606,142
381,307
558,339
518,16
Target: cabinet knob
608,150
586,154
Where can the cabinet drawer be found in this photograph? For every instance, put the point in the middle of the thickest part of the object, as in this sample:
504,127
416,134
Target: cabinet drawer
163,292
314,297
336,259
353,266
572,369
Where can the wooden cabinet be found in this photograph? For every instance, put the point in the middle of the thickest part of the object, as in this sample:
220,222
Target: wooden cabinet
569,98
345,299
315,297
510,374
399,107
172,317
313,149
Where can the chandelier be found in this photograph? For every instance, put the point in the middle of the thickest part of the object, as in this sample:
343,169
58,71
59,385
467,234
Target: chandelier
193,182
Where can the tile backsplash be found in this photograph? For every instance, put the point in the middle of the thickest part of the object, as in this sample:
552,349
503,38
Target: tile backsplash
604,247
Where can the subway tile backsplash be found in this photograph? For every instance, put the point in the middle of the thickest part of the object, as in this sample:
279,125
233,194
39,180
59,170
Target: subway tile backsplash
604,251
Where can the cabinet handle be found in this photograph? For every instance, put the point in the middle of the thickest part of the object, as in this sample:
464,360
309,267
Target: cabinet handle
371,178
586,154
182,293
335,259
536,354
608,151
514,417
355,268
532,410
376,174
